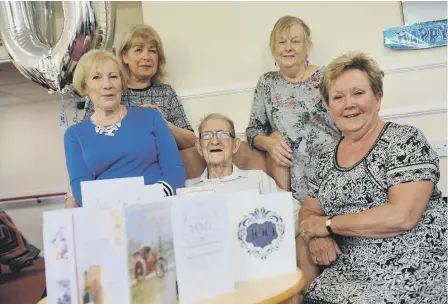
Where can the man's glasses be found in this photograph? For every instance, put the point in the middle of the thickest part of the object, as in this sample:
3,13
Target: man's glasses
207,135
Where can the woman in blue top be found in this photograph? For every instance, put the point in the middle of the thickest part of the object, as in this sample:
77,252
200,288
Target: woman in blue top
116,141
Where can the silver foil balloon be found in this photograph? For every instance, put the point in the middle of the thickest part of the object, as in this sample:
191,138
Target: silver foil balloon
42,19
105,15
87,25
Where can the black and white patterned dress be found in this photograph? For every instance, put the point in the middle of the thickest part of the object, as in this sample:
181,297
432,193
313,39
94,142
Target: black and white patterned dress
409,268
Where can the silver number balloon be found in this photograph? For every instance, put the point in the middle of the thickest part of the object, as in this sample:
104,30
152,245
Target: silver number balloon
87,25
42,19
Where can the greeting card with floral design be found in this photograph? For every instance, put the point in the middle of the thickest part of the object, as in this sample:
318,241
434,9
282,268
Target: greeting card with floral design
59,254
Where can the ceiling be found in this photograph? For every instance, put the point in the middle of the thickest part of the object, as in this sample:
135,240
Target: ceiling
15,88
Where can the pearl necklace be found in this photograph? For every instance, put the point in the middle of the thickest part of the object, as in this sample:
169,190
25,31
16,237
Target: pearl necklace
109,130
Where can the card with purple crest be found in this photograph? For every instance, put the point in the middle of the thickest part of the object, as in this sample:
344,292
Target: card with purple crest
262,234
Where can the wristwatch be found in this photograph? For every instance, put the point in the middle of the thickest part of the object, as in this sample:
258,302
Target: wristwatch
328,225
68,195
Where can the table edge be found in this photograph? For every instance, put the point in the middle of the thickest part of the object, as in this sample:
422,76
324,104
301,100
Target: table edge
288,293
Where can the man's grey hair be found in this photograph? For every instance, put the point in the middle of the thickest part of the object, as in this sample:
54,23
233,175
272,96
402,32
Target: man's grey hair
218,116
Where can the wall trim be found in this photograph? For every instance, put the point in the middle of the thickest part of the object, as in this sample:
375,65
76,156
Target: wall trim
249,88
420,110
416,67
402,112
31,193
222,91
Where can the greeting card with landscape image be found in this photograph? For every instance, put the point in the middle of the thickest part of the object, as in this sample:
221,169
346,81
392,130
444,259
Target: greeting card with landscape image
151,267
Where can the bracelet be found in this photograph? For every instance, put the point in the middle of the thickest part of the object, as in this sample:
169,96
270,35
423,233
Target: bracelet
328,225
67,196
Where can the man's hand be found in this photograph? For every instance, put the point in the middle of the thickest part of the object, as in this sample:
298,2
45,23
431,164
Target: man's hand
324,250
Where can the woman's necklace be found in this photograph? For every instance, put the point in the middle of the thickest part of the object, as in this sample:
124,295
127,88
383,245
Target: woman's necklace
302,75
297,78
109,130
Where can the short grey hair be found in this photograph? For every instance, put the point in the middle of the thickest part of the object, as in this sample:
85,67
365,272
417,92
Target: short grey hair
217,116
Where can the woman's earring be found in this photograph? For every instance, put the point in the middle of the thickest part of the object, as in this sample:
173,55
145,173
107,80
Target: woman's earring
275,63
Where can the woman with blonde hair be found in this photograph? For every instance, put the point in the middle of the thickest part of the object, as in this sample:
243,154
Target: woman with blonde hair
289,119
374,195
117,141
142,54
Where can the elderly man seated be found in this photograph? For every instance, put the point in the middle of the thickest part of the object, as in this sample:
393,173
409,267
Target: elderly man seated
217,145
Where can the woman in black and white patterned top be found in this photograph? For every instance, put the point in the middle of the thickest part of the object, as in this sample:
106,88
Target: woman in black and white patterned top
373,201
141,52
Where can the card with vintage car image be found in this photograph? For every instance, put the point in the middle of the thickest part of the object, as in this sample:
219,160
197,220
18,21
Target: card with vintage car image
150,258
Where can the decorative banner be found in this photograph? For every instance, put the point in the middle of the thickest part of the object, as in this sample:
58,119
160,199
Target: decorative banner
417,36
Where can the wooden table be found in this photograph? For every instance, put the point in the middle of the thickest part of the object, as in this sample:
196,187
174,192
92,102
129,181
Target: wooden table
272,290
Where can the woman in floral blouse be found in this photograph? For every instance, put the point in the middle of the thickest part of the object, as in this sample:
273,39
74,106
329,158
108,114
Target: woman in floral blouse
289,119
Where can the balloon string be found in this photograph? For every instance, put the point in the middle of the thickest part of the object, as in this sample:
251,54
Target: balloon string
63,112
75,102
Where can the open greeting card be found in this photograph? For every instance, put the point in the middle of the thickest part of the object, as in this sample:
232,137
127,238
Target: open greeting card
81,249
261,230
120,255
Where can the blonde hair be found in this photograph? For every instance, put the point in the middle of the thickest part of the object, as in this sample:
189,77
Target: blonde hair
95,58
217,116
144,34
349,61
284,24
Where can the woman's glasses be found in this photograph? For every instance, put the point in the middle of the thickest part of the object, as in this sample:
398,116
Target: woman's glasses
207,135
